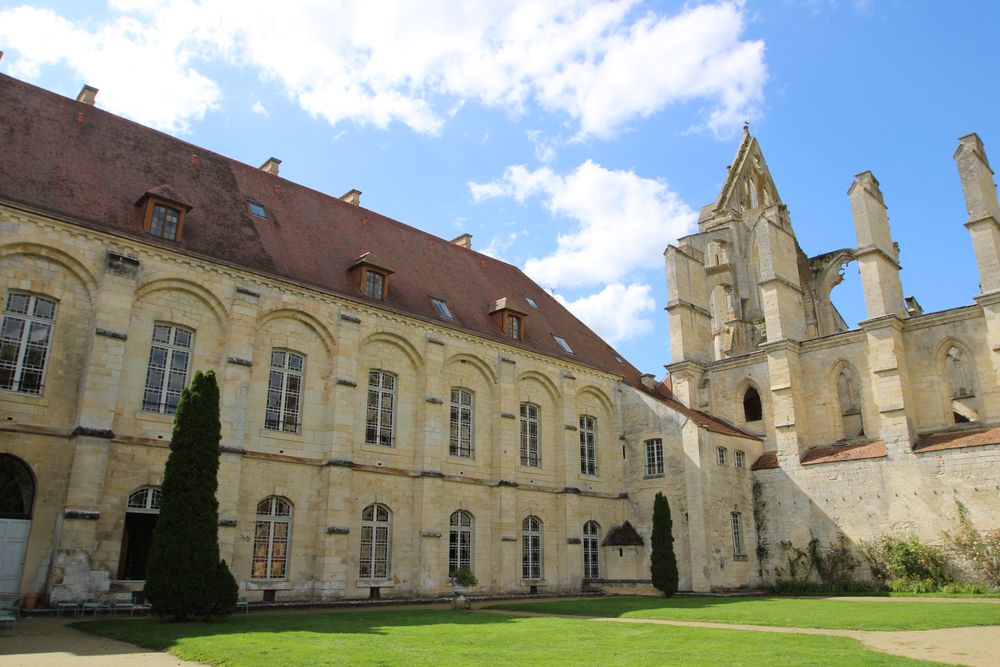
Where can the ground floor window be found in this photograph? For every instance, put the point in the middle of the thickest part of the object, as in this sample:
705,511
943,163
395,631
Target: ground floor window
460,541
272,535
531,548
376,521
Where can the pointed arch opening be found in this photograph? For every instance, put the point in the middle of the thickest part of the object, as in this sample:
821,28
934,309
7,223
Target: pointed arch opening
851,404
961,384
753,409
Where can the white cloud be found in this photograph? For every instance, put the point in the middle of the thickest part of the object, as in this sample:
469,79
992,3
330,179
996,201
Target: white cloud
603,64
616,312
500,243
623,221
259,109
140,73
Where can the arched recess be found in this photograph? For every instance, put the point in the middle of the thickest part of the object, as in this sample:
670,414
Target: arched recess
957,366
602,398
17,499
194,289
475,362
394,340
849,392
751,403
320,329
73,265
547,384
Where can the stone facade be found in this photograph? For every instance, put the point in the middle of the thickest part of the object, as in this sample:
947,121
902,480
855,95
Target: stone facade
736,439
880,429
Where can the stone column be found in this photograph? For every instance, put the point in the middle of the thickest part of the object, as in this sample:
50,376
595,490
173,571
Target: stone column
890,382
786,397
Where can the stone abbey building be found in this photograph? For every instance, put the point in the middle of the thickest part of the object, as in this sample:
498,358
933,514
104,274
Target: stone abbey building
396,405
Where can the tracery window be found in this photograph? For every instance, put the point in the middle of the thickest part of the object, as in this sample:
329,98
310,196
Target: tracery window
166,375
376,524
381,408
460,531
531,548
272,536
284,391
460,437
25,335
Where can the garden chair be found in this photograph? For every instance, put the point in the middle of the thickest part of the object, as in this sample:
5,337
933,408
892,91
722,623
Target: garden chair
95,605
244,604
122,601
141,607
66,603
9,609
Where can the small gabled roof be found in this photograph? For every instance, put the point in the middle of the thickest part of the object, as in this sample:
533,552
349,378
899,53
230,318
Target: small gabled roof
749,158
167,194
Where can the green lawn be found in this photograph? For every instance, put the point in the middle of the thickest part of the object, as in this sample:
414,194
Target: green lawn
431,637
872,614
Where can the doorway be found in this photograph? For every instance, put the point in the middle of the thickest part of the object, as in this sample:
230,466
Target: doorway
17,496
141,513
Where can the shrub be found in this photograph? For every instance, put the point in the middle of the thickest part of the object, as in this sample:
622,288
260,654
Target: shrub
981,550
186,578
663,560
906,563
463,576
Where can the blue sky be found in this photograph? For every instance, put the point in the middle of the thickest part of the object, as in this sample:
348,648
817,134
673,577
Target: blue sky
573,139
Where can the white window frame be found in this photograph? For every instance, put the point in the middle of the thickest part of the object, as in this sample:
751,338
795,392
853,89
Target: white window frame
721,456
145,500
531,452
284,386
461,533
588,445
461,437
737,524
654,457
739,459
380,420
441,306
31,323
376,542
163,391
591,550
531,548
272,539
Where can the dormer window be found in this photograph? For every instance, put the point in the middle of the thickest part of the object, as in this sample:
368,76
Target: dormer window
514,326
372,276
508,318
374,285
164,213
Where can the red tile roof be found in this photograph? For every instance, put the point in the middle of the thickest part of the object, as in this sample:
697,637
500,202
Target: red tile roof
766,461
837,453
957,439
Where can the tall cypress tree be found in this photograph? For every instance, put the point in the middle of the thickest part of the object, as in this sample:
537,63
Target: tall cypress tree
185,577
663,560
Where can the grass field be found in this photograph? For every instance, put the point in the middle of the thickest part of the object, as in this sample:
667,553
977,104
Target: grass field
441,637
872,614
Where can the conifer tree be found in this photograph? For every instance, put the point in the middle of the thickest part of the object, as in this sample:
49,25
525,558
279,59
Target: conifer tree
185,577
663,560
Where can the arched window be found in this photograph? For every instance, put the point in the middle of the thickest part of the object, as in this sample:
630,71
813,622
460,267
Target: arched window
531,548
376,524
849,396
17,489
460,531
142,509
591,544
961,388
752,410
272,536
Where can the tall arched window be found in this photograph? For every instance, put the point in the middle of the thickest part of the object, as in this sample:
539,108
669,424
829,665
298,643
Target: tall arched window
752,409
460,531
272,536
531,548
849,396
376,524
591,544
141,512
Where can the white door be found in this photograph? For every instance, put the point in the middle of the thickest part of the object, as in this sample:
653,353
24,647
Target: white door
13,542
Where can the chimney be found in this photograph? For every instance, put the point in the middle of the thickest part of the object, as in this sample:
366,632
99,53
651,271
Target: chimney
465,241
87,95
271,166
648,380
352,196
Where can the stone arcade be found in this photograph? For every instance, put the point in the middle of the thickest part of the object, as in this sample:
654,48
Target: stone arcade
396,405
